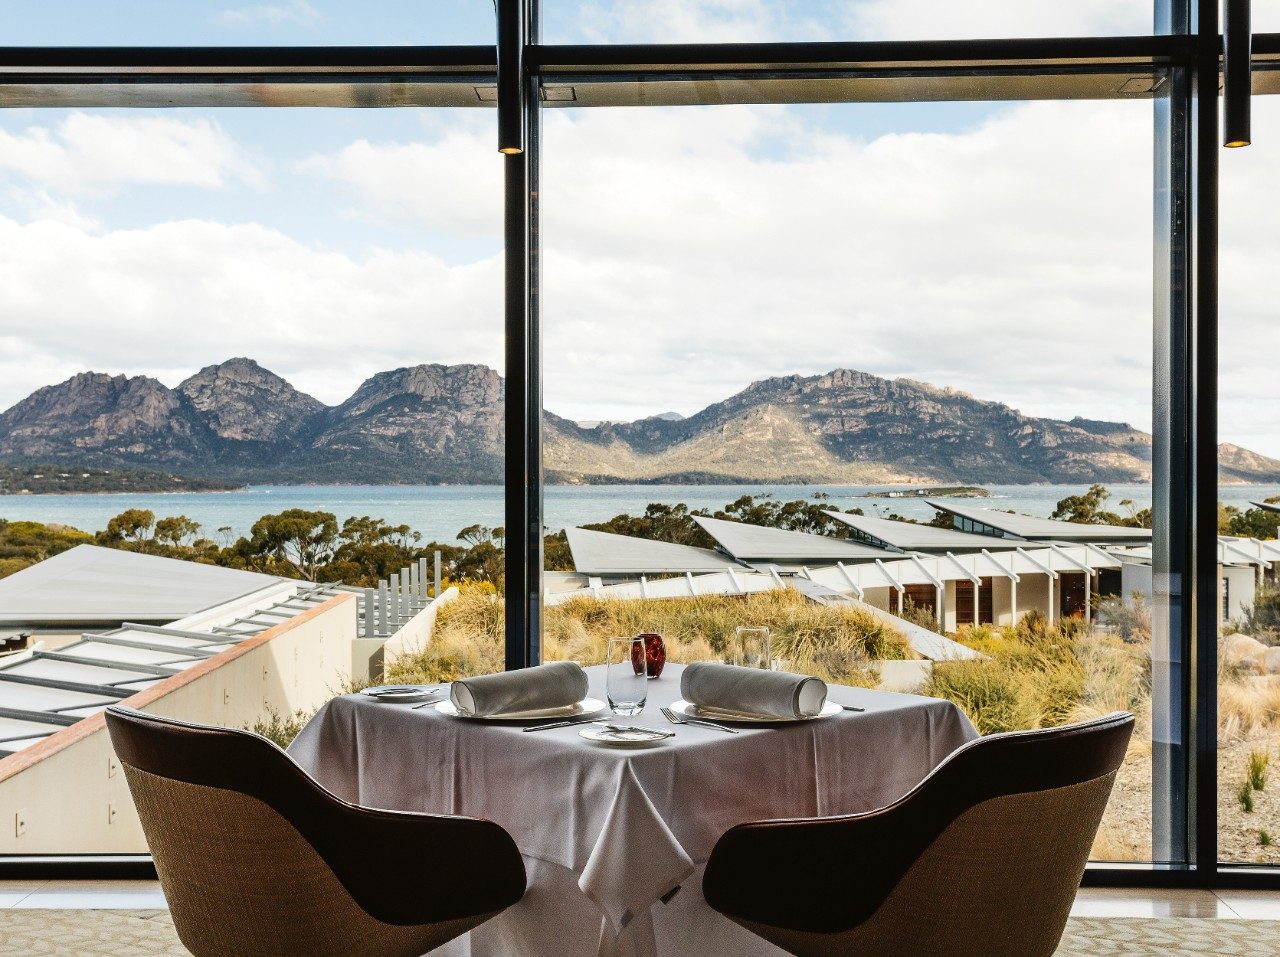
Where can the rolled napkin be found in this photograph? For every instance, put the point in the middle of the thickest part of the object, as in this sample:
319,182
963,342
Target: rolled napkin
557,685
773,694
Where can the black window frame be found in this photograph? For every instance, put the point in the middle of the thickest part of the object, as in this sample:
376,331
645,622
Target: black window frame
1186,53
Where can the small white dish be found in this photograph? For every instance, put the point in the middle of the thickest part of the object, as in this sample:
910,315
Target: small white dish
624,737
402,694
688,710
584,707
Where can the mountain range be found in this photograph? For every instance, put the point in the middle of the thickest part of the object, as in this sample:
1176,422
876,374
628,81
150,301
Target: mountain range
432,424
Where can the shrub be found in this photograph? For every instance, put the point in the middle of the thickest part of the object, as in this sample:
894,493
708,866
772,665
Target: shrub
1245,796
278,727
1258,761
1262,619
1264,838
1130,620
1038,675
920,616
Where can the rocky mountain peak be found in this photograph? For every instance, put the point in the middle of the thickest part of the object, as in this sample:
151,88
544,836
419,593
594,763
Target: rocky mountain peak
243,402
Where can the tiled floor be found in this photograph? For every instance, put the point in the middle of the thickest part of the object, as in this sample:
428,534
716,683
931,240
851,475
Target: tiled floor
86,895
1090,902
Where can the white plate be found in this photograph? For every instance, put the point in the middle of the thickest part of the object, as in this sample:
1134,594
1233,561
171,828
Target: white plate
630,738
405,694
584,707
687,710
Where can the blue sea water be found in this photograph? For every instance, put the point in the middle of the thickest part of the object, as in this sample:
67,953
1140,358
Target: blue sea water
439,512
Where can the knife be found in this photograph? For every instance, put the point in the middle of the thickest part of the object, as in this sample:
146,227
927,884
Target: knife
562,724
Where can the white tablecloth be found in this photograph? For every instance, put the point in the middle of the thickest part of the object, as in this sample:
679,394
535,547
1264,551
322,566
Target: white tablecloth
608,833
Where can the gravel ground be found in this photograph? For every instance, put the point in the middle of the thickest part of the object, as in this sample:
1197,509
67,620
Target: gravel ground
1126,828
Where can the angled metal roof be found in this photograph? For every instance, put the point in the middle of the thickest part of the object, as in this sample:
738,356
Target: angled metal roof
42,692
603,553
907,537
755,543
88,585
989,521
1267,506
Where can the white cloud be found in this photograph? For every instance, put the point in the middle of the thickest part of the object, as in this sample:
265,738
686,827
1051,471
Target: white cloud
171,298
691,251
297,11
974,19
451,181
687,21
687,253
93,154
748,21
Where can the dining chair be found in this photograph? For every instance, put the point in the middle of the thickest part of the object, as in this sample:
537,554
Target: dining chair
256,859
983,857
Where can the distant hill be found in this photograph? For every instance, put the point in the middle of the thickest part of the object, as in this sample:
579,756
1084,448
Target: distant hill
69,480
444,424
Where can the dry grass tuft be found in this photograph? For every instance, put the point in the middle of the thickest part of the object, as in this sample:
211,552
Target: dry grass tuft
1248,707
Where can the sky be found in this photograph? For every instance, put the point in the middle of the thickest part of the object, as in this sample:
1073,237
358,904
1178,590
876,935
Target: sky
1001,249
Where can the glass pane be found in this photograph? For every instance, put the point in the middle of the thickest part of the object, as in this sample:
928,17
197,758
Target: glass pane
757,21
248,23
245,354
922,317
1249,393
1266,16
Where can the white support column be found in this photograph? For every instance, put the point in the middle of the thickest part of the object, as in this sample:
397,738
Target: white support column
436,594
857,588
367,628
393,585
422,579
384,609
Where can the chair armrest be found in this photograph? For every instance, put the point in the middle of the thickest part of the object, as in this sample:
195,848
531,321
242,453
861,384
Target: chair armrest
785,872
401,868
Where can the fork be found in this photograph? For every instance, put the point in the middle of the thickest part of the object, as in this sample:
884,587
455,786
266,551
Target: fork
680,719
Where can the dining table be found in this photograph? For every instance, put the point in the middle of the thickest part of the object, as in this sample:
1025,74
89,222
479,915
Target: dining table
615,839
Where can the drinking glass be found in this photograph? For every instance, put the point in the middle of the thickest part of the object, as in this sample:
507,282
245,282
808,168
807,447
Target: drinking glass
626,684
753,648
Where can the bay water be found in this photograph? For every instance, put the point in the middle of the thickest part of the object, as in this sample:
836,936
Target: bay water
439,512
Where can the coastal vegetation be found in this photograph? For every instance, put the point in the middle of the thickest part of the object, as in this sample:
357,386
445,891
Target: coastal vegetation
64,479
361,550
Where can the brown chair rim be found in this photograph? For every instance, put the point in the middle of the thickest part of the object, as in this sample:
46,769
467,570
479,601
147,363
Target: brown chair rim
753,871
401,867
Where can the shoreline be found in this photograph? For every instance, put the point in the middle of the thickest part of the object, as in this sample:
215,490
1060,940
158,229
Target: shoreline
888,488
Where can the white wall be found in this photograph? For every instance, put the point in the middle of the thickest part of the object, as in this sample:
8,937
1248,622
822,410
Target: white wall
69,791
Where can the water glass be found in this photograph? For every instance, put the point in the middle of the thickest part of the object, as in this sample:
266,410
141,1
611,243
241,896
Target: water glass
626,684
753,647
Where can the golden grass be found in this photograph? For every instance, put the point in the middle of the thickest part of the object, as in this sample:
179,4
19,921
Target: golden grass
1037,676
834,643
1248,707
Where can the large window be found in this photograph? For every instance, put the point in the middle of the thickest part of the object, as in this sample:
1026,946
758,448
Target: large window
1249,656
741,289
834,306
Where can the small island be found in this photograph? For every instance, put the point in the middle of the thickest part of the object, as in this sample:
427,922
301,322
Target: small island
76,480
943,491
